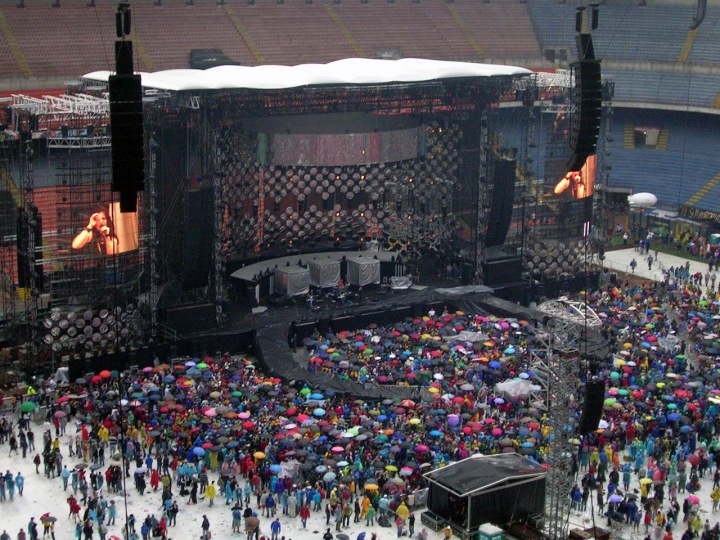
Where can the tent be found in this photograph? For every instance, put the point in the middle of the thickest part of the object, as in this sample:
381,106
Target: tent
324,272
482,489
292,280
363,271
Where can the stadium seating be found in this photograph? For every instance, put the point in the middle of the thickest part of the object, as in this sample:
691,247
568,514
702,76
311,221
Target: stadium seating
672,88
676,174
168,33
627,31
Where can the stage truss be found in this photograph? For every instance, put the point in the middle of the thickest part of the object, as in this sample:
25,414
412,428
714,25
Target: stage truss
556,353
75,301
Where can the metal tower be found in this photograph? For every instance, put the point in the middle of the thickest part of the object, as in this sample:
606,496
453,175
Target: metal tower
556,353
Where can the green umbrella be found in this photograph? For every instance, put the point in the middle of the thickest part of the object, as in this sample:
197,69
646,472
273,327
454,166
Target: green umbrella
28,406
237,393
202,365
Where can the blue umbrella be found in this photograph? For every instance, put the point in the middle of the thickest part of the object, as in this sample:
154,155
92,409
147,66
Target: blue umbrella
232,444
685,429
321,469
199,452
435,433
674,417
275,468
168,379
382,418
319,412
316,396
494,364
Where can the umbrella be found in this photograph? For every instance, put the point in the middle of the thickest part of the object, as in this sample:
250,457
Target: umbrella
28,406
615,498
59,414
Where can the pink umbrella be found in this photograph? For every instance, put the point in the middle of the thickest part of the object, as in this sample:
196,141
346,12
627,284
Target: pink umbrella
496,432
210,413
244,415
421,448
694,499
337,449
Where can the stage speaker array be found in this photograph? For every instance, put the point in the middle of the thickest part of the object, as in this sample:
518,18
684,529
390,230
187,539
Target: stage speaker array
588,92
588,110
502,202
126,120
592,407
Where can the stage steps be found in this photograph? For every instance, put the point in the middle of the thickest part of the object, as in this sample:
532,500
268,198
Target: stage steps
692,201
687,46
663,139
244,34
629,136
465,30
344,30
12,44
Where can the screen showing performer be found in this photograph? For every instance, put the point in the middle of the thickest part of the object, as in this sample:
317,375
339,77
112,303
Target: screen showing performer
108,231
578,184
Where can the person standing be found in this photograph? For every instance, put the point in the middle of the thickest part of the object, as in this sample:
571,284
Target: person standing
211,492
172,514
304,515
32,529
205,528
275,529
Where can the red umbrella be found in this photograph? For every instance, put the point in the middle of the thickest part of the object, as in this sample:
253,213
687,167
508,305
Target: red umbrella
248,425
694,460
105,374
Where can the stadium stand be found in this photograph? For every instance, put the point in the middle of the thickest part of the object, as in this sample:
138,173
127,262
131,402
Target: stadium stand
664,87
628,31
676,174
201,26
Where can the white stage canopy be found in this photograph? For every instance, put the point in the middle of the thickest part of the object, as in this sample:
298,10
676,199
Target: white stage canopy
341,72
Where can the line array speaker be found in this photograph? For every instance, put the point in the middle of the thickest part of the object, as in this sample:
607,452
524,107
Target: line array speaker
588,110
593,407
502,202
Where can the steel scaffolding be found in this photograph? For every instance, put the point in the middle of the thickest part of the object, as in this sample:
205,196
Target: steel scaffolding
556,353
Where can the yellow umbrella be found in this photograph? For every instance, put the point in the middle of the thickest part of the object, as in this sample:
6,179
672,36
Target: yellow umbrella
259,455
414,421
371,487
433,390
627,345
391,468
459,313
660,385
646,481
620,362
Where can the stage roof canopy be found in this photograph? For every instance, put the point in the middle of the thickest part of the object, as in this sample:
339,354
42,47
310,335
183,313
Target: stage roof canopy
480,473
350,71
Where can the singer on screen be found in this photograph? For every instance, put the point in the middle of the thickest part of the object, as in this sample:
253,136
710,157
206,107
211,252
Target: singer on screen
100,231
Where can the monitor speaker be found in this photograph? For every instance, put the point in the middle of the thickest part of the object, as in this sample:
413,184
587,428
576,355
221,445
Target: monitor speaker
592,407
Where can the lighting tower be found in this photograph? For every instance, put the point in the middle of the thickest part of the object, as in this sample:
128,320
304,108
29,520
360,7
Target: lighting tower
556,353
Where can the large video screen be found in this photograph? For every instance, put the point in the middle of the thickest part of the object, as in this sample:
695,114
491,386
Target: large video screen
107,231
574,184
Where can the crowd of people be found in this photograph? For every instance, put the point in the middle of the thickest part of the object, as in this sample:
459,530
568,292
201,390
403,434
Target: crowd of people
280,456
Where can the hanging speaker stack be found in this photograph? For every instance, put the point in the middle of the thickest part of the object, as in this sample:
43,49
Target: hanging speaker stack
126,119
588,94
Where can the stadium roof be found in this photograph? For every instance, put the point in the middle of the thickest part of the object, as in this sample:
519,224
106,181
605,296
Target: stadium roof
342,72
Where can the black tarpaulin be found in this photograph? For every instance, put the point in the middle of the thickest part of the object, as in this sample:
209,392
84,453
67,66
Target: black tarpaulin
478,473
